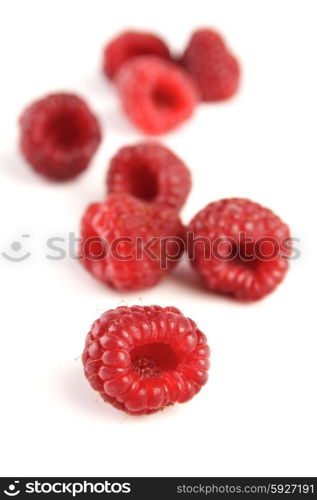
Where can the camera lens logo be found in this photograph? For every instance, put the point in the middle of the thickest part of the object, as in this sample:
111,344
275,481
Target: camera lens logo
13,491
17,254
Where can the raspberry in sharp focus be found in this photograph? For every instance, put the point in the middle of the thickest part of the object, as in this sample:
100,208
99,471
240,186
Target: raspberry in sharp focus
129,243
131,44
239,248
213,68
59,135
151,172
156,95
144,358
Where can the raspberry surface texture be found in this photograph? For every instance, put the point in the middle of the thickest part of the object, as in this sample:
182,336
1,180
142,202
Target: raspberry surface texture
213,68
129,243
239,248
143,358
157,95
150,172
131,44
59,135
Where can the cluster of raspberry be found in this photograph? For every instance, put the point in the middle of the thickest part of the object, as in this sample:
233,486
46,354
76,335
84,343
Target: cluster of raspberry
144,358
60,134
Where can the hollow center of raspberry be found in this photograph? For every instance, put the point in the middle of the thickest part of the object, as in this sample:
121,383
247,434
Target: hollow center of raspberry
164,98
143,183
151,360
246,256
65,130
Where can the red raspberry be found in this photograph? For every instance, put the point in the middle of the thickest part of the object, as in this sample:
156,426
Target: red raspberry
128,45
157,95
129,243
144,358
239,248
59,135
214,69
151,172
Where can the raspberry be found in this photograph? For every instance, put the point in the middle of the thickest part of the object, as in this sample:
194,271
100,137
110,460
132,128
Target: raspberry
59,135
128,45
129,243
144,358
151,172
239,248
157,95
214,69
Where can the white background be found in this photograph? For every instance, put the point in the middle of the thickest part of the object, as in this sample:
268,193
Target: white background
257,414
